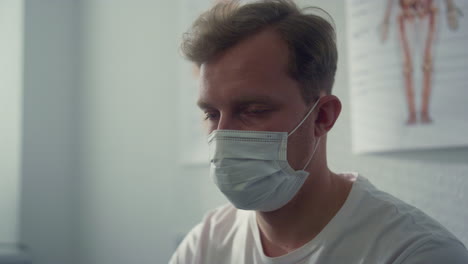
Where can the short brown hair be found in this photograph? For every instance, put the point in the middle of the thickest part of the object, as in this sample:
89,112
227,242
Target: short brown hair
310,38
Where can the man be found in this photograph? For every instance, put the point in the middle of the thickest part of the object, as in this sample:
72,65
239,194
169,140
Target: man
267,70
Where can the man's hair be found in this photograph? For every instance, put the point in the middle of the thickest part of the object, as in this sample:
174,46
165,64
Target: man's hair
310,38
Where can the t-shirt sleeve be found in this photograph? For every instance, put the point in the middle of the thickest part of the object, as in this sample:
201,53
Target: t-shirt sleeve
187,249
438,252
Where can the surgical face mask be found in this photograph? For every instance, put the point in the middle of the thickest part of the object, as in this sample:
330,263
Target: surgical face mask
251,168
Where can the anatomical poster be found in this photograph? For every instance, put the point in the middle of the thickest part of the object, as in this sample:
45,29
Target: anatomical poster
408,69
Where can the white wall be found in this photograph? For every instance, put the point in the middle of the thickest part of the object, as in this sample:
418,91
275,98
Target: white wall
11,71
99,131
128,131
50,140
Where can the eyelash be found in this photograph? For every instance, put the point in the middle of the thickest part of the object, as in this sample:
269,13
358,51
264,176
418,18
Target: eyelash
213,116
210,115
256,111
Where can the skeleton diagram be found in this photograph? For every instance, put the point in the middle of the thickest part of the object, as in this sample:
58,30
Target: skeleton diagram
425,12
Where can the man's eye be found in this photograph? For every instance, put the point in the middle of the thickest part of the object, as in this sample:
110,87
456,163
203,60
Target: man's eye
256,111
211,116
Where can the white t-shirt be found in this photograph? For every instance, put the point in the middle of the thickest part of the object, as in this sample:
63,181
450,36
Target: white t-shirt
371,227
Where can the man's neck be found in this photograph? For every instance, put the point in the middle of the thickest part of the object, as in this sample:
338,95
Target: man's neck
303,218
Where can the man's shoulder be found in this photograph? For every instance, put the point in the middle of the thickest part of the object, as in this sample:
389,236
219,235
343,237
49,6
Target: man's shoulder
435,250
214,236
402,230
226,217
388,210
221,220
218,230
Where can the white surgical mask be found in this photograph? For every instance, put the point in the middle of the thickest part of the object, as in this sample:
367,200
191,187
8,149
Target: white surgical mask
251,168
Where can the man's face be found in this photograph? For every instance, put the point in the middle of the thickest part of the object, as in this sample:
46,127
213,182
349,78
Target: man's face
248,88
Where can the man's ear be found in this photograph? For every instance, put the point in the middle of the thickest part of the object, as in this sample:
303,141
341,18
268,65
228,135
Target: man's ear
329,109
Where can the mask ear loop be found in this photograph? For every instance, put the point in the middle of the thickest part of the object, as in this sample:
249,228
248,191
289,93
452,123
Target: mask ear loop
316,141
305,118
313,153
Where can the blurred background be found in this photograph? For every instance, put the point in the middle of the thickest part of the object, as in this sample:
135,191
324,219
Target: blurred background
92,103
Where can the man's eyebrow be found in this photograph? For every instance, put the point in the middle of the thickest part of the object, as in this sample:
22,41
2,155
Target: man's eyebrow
203,105
244,100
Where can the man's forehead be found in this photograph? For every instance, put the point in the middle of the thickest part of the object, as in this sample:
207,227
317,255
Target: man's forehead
264,51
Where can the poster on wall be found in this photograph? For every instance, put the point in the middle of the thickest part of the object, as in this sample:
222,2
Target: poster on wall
408,69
